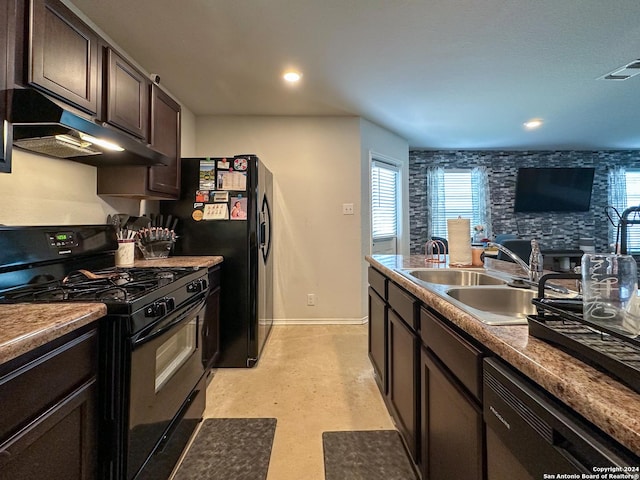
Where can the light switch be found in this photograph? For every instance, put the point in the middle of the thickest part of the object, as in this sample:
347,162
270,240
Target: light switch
347,208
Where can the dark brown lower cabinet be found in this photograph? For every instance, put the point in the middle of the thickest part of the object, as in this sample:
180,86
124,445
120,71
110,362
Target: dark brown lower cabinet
211,320
58,446
48,418
378,338
403,395
452,428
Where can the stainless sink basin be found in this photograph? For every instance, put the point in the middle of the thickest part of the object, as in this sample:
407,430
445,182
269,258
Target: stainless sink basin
509,302
455,277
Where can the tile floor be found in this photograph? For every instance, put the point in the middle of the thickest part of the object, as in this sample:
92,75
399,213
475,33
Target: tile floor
311,379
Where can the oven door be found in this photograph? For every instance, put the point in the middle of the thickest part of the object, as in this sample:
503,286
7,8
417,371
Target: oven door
166,365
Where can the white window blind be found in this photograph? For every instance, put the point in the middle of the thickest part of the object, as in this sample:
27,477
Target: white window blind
384,194
632,178
457,201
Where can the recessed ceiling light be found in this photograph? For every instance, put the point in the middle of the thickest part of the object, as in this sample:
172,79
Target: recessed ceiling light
533,124
292,77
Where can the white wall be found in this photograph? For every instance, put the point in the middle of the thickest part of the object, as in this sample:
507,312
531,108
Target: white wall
381,143
49,191
315,163
187,133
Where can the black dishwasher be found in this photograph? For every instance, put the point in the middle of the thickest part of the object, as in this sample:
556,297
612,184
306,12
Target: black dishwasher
531,435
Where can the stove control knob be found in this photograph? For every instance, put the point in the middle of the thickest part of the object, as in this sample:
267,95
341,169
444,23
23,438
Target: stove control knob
156,309
197,286
170,303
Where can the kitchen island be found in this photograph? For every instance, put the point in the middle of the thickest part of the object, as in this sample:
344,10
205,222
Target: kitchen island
599,398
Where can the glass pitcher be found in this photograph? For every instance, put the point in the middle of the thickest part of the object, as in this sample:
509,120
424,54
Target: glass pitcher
610,292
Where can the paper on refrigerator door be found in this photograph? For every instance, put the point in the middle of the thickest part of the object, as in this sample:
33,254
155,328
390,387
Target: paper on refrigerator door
216,211
207,179
231,180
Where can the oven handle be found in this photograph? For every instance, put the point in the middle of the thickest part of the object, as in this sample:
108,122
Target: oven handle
168,323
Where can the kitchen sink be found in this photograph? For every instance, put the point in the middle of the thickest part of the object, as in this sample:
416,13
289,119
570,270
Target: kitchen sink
509,302
454,277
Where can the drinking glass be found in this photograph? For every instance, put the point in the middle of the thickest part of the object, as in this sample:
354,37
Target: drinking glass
610,292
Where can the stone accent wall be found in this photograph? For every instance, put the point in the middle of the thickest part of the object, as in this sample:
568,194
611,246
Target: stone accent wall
554,230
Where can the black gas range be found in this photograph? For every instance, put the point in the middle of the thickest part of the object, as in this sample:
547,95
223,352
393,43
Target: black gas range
77,264
142,294
151,373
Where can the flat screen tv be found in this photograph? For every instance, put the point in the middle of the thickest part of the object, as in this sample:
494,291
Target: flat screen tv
554,189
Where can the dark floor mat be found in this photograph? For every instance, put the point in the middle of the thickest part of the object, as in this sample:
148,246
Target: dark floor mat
229,448
366,455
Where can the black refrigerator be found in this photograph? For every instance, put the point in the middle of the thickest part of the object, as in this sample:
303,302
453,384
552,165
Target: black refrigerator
225,208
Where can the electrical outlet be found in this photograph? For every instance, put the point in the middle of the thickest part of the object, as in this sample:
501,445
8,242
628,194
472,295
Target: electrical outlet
347,208
311,299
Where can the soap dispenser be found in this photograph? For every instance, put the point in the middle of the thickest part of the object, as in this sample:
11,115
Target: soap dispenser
536,262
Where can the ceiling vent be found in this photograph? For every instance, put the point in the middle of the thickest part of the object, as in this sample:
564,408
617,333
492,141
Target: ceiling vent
623,73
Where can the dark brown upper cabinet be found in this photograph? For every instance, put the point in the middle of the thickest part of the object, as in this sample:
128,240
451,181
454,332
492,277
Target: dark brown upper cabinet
63,55
127,95
165,138
156,183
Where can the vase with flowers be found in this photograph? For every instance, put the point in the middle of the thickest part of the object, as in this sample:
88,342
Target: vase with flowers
478,234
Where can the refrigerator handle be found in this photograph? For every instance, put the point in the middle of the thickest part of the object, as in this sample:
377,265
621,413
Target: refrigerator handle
265,229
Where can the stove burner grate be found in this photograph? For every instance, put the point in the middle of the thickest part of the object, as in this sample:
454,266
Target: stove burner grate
110,285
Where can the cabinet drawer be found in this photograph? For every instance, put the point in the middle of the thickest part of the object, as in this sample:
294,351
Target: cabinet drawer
462,358
45,381
378,282
403,304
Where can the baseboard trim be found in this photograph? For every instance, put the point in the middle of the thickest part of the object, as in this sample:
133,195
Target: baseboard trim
320,321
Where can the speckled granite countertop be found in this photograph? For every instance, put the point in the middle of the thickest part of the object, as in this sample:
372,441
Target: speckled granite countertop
605,402
181,261
25,326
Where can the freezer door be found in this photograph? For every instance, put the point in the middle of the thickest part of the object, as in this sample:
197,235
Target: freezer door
265,260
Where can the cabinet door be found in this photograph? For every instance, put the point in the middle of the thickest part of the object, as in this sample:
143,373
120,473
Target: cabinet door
452,429
211,329
63,55
165,138
378,338
403,376
60,445
127,99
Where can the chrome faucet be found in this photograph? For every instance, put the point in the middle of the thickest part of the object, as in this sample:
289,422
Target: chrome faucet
533,270
531,273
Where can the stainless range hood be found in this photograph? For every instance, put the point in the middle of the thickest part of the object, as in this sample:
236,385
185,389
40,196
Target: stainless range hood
44,126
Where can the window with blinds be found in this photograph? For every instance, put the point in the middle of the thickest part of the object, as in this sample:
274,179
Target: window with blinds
632,178
457,201
384,205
